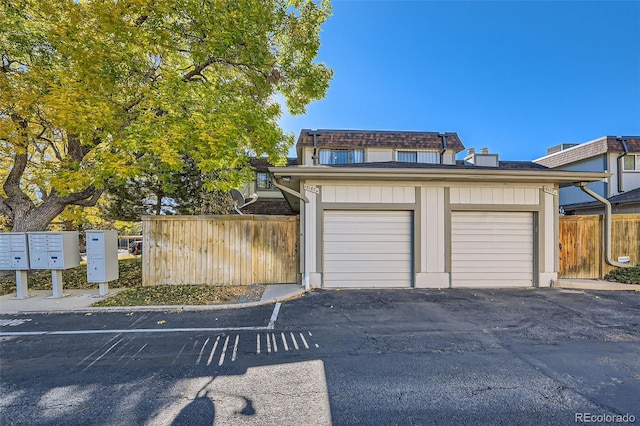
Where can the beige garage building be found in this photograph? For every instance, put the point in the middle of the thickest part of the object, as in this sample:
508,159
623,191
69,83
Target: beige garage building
437,223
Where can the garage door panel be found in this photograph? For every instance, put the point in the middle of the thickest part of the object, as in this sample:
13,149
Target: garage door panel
360,266
365,237
492,249
342,282
483,258
497,238
365,257
367,249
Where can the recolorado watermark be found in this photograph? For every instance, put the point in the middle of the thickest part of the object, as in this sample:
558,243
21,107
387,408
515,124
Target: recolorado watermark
604,418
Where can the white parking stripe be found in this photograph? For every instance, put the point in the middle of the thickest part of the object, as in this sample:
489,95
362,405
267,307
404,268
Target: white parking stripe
295,342
274,316
235,348
105,352
224,351
202,350
268,343
284,342
275,344
179,353
140,330
258,343
304,341
134,355
213,351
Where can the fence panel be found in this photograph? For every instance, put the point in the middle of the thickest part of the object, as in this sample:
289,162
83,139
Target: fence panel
220,250
581,241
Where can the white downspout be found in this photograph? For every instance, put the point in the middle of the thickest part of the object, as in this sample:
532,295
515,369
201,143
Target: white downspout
305,273
607,224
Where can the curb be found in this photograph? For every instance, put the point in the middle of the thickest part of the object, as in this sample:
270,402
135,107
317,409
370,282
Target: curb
184,308
594,285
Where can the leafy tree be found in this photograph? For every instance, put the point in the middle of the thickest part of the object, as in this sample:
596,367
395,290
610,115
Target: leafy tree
182,191
93,92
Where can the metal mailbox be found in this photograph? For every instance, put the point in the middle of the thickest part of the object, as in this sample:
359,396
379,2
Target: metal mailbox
54,250
14,251
102,256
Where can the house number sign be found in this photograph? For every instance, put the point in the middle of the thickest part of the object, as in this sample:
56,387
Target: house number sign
551,191
310,188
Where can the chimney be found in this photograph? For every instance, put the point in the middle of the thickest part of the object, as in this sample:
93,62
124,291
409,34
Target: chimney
482,159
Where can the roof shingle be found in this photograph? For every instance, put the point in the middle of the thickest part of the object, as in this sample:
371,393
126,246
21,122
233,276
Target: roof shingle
379,139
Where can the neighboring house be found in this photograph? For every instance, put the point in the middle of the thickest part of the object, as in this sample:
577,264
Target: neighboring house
619,156
394,209
270,199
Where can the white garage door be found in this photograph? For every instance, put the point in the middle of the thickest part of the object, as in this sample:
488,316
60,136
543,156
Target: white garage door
365,249
492,249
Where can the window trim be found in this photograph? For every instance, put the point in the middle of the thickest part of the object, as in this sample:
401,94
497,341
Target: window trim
417,152
351,152
636,164
268,180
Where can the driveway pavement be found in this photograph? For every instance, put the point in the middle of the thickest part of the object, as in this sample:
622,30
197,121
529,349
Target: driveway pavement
396,357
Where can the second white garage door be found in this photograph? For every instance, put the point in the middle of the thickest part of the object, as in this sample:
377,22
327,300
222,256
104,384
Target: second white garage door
364,249
492,249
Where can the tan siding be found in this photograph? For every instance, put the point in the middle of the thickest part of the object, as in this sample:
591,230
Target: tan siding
368,194
432,238
494,195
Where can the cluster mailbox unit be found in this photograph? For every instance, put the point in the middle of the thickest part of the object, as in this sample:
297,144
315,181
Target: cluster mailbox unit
14,256
102,258
55,251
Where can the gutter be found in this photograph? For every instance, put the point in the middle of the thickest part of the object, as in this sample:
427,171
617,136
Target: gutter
444,147
607,224
304,199
625,149
315,157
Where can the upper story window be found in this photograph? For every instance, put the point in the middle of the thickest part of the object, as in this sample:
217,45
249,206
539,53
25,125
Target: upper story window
431,157
341,156
264,182
632,162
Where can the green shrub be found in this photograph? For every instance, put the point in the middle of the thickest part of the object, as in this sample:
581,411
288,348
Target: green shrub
625,275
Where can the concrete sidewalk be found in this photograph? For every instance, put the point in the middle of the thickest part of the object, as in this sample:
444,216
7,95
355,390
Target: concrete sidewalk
580,284
81,300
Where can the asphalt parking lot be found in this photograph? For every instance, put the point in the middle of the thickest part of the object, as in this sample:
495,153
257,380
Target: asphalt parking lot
360,357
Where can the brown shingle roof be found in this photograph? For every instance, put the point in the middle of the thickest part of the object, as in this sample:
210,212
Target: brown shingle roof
590,149
381,139
262,165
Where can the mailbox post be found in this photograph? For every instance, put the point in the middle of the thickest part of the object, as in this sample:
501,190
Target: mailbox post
55,251
14,256
102,258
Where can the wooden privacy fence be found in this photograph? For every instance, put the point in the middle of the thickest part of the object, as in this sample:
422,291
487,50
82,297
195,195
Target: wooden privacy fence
220,250
582,244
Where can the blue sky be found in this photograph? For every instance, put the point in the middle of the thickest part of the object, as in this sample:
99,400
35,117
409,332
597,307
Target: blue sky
516,77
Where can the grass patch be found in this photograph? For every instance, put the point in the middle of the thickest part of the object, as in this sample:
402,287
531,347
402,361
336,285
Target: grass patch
625,275
136,295
163,295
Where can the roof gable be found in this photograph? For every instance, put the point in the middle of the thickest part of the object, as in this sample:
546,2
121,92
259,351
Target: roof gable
589,150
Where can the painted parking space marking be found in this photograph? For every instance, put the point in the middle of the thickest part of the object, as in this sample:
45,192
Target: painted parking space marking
122,349
14,322
224,351
213,351
204,345
235,349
